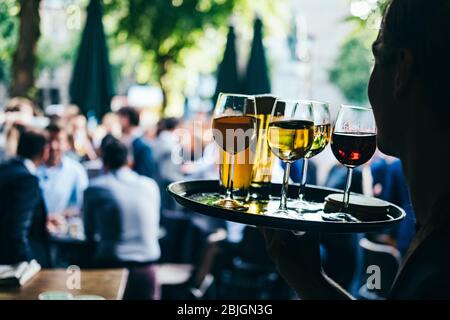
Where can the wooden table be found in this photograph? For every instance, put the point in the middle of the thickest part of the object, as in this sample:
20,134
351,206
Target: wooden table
108,283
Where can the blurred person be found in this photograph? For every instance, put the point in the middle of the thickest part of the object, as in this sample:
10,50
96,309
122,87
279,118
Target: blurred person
121,211
23,217
408,89
110,125
63,180
80,141
199,142
143,161
11,136
167,143
18,112
166,146
70,112
24,108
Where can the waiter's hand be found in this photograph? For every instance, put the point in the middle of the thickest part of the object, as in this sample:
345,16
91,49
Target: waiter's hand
296,257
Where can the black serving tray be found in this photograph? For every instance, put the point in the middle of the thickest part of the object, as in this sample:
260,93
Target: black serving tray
199,195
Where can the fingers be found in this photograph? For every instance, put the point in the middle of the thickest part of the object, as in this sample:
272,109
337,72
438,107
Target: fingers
280,240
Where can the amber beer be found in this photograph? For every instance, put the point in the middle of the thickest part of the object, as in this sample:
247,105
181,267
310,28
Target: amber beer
242,148
243,166
264,158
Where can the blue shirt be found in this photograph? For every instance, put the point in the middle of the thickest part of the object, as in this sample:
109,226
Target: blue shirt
63,185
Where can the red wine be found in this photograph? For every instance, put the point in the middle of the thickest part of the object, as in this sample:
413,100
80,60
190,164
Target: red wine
353,149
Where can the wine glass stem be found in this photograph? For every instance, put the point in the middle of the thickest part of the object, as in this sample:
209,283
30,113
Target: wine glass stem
301,193
229,191
284,187
346,199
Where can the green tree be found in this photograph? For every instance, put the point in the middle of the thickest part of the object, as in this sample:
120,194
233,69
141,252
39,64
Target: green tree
51,56
352,68
8,35
164,28
24,58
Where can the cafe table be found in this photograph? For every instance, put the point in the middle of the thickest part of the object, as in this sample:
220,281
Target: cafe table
107,283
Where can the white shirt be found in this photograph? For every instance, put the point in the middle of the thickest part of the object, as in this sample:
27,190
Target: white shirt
136,199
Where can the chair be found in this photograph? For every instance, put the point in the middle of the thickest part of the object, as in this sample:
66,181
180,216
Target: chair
141,284
388,259
187,281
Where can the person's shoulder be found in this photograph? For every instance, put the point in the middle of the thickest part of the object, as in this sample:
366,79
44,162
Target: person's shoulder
73,165
396,166
100,181
15,168
148,183
99,185
141,143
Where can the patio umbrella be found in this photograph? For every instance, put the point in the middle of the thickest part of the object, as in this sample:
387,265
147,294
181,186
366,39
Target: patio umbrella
257,79
91,86
227,76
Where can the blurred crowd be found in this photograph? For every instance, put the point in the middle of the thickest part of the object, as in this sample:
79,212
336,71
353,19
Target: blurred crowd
65,182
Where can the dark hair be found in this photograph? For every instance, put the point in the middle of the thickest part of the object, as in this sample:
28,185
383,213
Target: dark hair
107,139
31,143
423,27
55,127
131,113
114,153
167,124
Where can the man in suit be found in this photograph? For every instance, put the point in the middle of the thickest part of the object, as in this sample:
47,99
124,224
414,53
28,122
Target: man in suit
142,153
23,234
121,212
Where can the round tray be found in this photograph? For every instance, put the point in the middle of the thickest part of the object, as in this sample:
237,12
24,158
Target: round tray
198,195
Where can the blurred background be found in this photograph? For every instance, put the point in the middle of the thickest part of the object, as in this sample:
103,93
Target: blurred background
140,71
164,55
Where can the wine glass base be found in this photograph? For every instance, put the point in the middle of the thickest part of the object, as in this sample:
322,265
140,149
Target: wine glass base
283,213
230,204
302,206
339,217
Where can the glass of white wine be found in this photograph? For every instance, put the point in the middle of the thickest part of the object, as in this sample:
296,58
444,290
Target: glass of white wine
290,137
322,136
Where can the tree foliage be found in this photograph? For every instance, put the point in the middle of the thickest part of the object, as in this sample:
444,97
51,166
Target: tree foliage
352,69
353,66
164,28
8,35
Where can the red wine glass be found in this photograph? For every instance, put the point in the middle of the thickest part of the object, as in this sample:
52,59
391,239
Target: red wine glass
353,142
